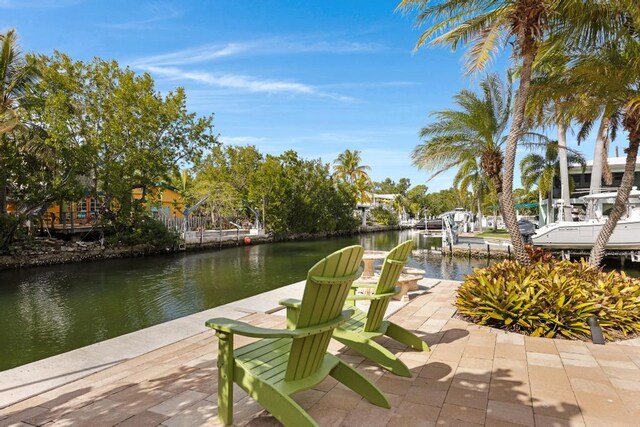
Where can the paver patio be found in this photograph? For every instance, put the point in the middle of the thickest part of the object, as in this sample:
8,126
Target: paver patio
473,376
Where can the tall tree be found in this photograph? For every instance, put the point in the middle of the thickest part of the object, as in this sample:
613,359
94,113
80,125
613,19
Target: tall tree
417,200
443,201
347,166
389,186
16,75
611,72
487,25
553,94
475,129
609,123
133,135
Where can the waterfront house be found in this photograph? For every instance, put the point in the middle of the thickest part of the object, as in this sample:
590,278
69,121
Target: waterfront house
163,201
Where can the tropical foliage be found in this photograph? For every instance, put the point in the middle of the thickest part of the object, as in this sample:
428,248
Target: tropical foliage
74,129
458,137
471,138
416,201
347,167
384,216
604,34
89,129
443,201
540,170
610,73
389,186
487,25
293,195
551,298
17,74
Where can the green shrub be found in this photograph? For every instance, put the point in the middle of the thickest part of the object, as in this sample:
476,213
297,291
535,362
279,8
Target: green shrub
146,231
551,298
384,216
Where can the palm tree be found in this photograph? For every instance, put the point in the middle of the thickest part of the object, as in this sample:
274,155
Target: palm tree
611,73
471,177
553,94
541,170
610,124
475,129
488,25
363,186
16,74
348,168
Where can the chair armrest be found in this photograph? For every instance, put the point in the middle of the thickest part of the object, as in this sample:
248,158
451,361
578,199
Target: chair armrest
230,326
370,297
293,310
363,285
290,303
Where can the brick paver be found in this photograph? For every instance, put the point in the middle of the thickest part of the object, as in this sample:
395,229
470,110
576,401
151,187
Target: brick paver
473,376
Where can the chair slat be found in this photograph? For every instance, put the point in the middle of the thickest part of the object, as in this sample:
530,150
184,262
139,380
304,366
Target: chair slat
328,284
389,275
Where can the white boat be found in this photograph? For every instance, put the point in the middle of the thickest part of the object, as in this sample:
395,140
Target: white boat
461,217
583,234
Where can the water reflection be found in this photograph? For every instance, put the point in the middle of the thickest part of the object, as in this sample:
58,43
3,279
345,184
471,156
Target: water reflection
49,310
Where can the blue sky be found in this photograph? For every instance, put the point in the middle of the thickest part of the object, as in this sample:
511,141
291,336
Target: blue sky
314,76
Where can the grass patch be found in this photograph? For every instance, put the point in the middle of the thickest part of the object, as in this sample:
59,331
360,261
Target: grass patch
499,234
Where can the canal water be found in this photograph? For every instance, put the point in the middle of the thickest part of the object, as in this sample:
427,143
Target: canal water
49,310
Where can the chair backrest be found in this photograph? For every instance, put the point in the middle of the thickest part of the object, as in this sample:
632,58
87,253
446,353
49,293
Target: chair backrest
392,267
325,293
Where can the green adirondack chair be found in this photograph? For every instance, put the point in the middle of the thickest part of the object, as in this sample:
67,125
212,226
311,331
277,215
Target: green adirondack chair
360,330
286,361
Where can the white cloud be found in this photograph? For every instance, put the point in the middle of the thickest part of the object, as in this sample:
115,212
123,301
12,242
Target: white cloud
195,55
160,13
272,46
242,82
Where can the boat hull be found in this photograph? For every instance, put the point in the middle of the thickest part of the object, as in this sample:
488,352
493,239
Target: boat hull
434,224
582,235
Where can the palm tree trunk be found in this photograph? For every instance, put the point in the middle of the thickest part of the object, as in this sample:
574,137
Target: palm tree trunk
540,211
515,133
564,170
632,125
550,204
596,170
495,220
479,213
